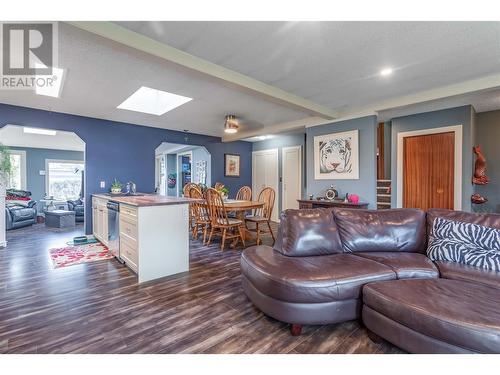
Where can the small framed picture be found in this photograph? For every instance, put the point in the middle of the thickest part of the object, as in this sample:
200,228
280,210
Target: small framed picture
231,165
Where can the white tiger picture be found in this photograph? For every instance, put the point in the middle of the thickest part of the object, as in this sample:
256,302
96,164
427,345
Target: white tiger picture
336,156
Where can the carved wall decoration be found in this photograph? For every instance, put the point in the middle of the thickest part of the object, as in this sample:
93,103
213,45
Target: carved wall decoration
478,199
479,168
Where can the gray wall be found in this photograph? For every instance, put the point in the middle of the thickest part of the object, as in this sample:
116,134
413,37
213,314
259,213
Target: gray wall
201,154
285,140
365,186
172,168
35,162
487,135
448,117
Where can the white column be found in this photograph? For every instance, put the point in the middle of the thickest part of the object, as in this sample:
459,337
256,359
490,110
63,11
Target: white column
3,241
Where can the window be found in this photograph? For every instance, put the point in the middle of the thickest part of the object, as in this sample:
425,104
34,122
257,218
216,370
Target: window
63,178
17,177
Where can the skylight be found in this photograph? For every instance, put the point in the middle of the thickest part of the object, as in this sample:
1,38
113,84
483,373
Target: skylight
152,101
39,131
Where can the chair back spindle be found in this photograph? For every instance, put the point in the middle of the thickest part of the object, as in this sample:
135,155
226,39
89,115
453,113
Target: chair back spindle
266,196
218,215
244,194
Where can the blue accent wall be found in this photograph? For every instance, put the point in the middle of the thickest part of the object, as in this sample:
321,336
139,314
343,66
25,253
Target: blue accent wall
35,162
448,117
365,186
280,141
127,151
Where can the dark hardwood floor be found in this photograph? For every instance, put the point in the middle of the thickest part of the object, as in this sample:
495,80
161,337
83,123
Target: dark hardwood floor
99,308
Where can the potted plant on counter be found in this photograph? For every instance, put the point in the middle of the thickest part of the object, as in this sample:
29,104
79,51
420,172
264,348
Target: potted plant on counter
116,187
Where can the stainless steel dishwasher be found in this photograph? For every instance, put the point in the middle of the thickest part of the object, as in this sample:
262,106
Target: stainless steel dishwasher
114,228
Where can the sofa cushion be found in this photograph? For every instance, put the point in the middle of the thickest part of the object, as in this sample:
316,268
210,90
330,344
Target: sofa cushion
308,232
381,230
487,220
405,265
457,312
310,279
458,271
471,244
21,214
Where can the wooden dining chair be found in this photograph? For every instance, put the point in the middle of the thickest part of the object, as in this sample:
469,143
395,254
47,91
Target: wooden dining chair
262,216
186,194
187,188
218,185
219,221
244,194
199,211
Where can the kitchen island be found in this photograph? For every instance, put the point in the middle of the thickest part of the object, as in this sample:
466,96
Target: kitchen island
153,233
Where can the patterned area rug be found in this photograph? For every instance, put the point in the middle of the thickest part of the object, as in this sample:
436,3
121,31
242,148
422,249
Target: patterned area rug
71,255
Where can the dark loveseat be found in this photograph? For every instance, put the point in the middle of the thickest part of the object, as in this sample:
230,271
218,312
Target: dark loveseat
330,266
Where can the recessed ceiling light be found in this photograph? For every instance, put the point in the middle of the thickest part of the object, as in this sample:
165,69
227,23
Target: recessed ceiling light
39,131
386,72
50,85
152,101
264,137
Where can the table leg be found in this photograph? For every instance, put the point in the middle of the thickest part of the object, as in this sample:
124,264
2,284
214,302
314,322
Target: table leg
246,234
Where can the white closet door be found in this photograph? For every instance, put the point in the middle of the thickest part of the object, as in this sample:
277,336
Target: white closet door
258,174
265,174
291,184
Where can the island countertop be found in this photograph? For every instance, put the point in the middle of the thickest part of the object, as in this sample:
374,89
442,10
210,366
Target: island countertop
145,200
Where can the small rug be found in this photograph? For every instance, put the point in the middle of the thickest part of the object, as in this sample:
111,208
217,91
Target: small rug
71,255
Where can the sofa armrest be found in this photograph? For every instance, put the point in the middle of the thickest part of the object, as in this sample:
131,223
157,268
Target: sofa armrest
8,219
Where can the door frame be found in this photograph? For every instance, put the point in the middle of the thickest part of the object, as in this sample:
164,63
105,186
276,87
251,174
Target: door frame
283,150
255,194
177,164
457,129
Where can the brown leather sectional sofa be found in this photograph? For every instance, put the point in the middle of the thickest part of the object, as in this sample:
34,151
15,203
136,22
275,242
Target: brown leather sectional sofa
329,266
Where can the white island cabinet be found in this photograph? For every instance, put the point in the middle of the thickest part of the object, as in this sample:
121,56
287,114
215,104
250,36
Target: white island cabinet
153,234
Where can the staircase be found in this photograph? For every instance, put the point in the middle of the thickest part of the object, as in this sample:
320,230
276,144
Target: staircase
383,194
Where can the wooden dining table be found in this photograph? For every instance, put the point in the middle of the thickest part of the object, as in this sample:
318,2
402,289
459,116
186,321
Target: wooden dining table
240,207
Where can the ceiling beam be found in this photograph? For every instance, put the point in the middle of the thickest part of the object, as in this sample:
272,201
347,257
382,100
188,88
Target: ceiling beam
148,45
467,87
276,128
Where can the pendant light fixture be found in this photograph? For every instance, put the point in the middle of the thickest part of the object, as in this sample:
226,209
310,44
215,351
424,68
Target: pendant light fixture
230,125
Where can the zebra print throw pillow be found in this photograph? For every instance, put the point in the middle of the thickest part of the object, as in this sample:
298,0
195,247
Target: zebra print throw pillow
471,244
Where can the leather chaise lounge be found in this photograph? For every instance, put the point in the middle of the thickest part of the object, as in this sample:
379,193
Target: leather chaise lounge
329,266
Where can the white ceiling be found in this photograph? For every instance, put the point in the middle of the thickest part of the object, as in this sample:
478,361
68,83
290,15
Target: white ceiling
14,136
101,74
335,64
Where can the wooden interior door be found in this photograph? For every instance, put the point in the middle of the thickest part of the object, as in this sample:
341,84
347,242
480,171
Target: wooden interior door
428,171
